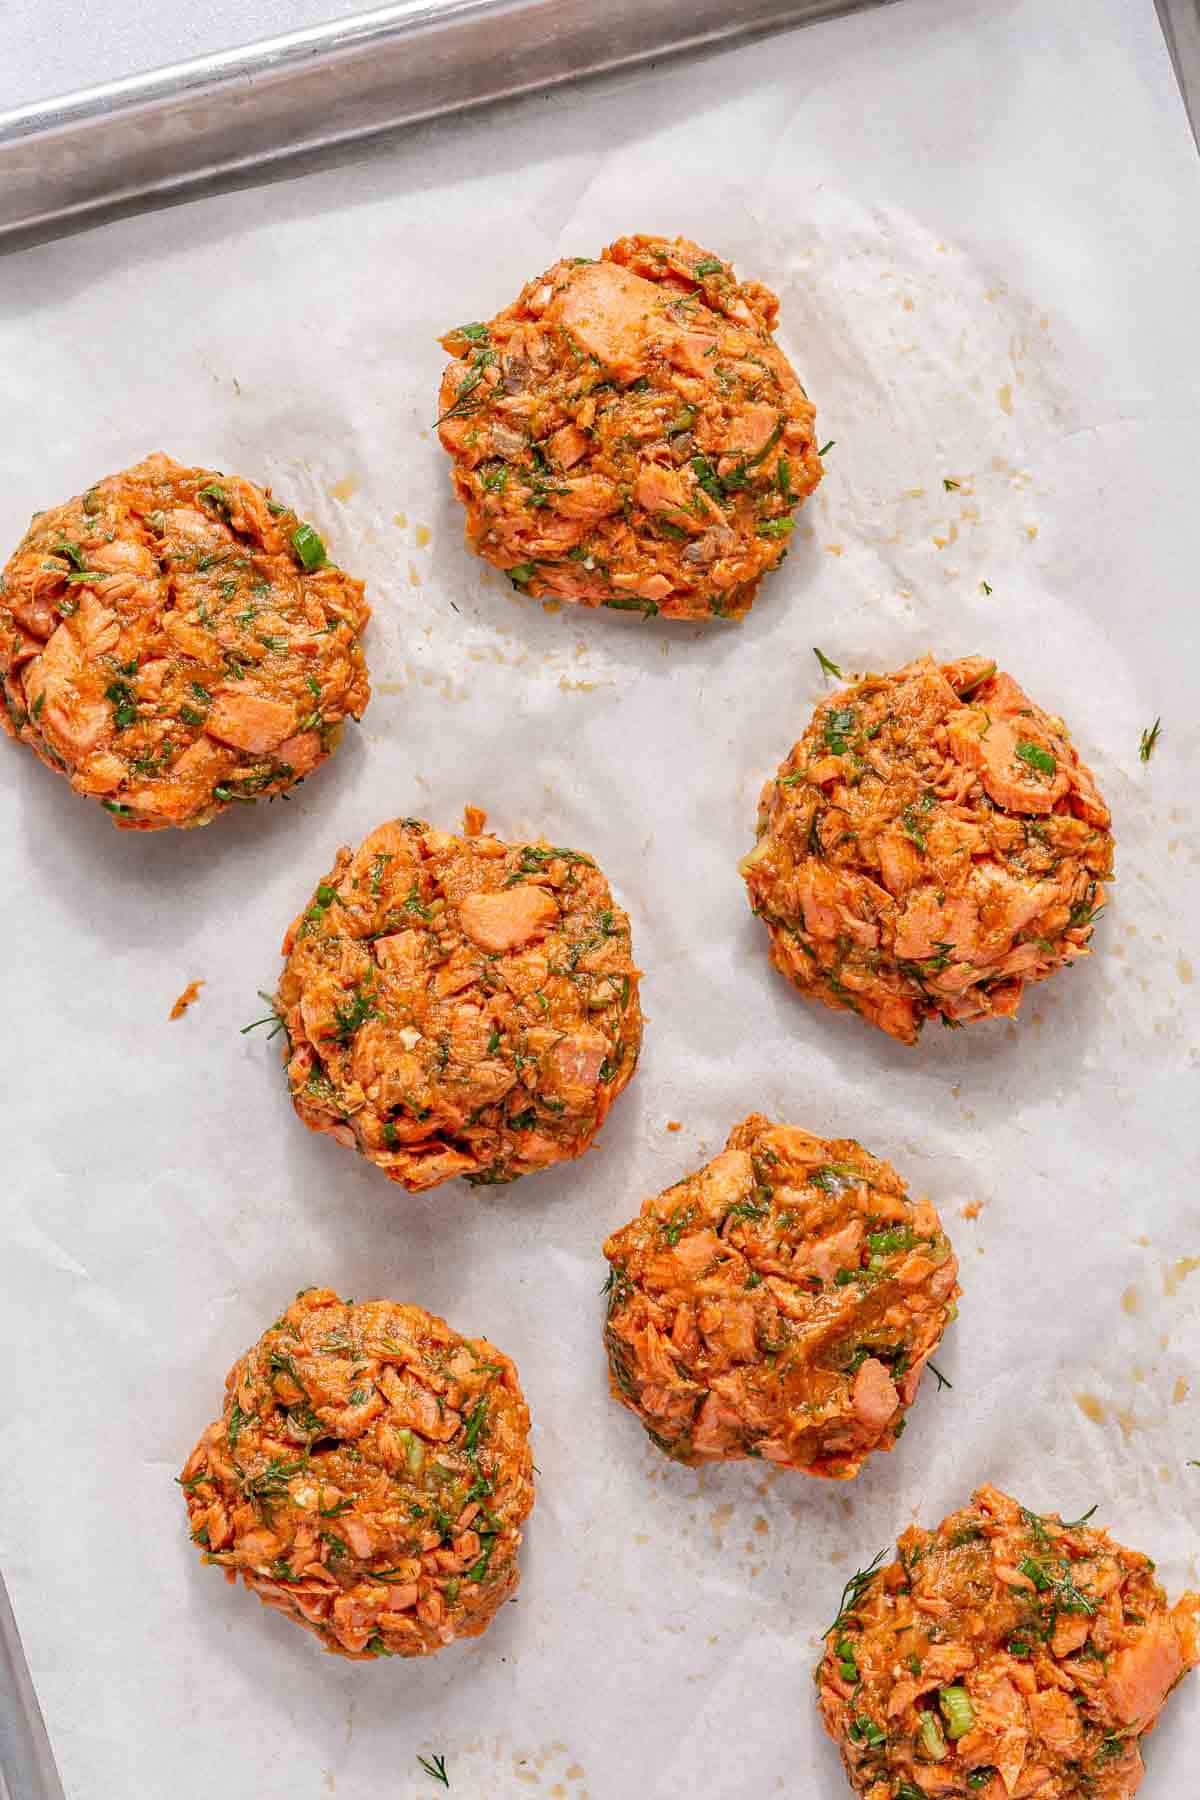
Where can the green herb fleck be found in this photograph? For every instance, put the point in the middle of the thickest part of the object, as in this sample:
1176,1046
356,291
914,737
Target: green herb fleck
853,1592
308,547
1034,757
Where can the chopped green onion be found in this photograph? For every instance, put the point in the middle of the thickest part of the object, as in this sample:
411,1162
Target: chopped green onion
932,1741
308,547
957,1711
1036,758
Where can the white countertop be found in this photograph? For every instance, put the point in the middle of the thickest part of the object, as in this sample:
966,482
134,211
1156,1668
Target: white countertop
106,39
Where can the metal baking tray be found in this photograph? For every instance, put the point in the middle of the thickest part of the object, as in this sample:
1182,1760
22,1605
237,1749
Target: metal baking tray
243,112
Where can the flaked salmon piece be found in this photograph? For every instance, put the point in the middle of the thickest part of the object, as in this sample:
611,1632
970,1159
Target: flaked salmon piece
586,497
505,920
873,1395
1018,771
1144,1673
607,310
751,429
249,722
567,445
661,489
1055,1719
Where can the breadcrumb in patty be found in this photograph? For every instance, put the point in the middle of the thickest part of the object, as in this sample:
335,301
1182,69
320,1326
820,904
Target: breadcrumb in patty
628,433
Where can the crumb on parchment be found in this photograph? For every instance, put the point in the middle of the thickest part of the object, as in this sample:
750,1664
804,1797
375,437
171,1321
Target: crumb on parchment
191,992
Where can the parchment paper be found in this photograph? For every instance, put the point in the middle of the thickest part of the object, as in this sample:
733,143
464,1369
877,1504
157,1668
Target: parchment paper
981,219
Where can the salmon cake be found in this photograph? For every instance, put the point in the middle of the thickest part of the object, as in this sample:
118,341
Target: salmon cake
629,434
174,641
931,845
369,1476
459,1006
781,1302
1002,1655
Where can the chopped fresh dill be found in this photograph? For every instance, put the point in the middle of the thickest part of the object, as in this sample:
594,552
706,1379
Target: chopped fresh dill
853,1592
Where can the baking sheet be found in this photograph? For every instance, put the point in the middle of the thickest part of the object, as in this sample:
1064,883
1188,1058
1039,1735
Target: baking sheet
977,226
298,98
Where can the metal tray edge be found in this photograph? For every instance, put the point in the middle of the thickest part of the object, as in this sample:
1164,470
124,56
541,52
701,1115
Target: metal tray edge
162,133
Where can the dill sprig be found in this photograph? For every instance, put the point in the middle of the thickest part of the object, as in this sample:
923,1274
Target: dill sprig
853,1592
273,1018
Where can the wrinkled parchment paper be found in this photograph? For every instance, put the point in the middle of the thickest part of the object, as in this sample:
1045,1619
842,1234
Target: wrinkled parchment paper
981,221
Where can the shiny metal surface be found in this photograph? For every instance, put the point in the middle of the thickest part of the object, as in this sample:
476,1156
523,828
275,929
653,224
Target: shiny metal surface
168,130
27,1770
1180,20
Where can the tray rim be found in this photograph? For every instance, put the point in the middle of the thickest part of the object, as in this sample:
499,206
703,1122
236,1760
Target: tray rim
246,113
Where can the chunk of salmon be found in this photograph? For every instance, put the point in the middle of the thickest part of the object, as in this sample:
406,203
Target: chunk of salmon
190,639
727,1179
567,445
249,722
648,587
836,1250
73,722
303,752
606,309
402,954
692,351
575,1062
586,497
694,1252
660,489
926,922
980,740
750,428
1056,1722
509,917
1141,1676
873,1395
899,863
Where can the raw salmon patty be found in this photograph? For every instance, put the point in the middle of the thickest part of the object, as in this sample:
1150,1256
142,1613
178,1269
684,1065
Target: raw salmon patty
174,641
1004,1655
629,434
369,1476
459,1006
782,1302
931,845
